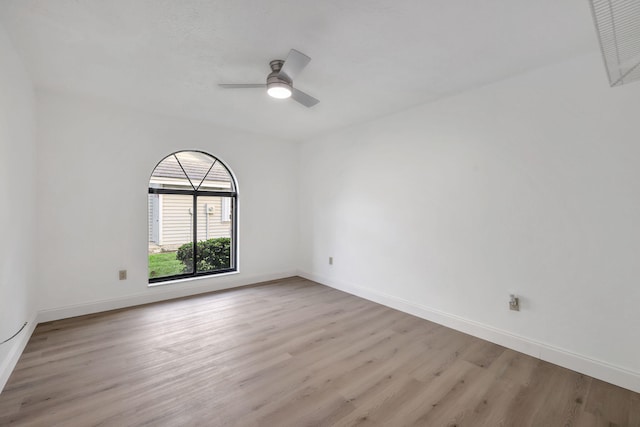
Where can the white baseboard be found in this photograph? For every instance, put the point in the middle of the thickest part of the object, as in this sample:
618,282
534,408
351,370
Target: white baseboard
16,347
595,368
158,293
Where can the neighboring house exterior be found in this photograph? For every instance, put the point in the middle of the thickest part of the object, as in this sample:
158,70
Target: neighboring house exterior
171,215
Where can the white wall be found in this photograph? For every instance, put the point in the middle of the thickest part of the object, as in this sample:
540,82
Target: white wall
17,206
95,160
530,185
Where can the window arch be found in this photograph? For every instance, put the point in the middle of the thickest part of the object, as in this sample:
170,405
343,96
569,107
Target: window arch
192,217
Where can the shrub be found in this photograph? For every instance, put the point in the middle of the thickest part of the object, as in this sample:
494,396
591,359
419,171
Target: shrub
213,254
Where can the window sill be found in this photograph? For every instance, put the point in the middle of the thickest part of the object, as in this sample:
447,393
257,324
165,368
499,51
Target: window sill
191,279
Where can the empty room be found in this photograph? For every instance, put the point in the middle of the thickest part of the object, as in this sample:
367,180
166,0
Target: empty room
319,213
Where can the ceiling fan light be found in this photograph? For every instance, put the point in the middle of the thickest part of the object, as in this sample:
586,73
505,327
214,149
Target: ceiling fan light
279,90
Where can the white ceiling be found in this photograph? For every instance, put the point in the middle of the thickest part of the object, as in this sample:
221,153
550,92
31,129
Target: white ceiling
369,57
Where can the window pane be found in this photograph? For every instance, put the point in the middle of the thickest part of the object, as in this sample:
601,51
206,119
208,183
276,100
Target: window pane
218,179
196,165
169,174
214,235
170,235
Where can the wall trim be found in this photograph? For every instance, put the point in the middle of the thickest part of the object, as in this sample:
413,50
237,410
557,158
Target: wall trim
16,345
156,294
599,369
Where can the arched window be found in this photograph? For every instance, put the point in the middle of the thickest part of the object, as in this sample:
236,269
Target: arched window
192,216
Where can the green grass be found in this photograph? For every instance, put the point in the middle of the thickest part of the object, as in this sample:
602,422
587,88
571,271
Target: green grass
164,264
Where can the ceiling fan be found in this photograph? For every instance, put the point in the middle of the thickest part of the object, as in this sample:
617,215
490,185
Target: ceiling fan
280,80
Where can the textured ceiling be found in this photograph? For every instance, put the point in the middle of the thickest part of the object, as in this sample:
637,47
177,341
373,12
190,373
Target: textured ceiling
369,57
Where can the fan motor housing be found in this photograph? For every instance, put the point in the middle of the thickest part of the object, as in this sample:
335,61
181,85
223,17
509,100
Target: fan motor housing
275,79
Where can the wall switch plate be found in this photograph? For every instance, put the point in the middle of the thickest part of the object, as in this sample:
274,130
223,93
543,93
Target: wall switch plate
122,274
514,303
330,260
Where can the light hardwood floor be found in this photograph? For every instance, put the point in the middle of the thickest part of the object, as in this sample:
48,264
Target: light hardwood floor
290,353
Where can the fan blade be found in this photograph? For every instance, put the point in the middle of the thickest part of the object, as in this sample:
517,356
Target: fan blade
304,99
242,86
294,63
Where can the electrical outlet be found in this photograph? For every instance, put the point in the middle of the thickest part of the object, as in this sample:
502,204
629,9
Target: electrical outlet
514,303
122,274
330,260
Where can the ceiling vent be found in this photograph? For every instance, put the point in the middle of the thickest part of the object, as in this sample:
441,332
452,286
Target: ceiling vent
618,25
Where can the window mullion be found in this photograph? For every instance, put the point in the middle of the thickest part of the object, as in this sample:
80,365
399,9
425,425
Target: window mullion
170,191
195,233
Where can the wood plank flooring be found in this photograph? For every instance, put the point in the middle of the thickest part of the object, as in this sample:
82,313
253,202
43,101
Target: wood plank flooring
290,353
